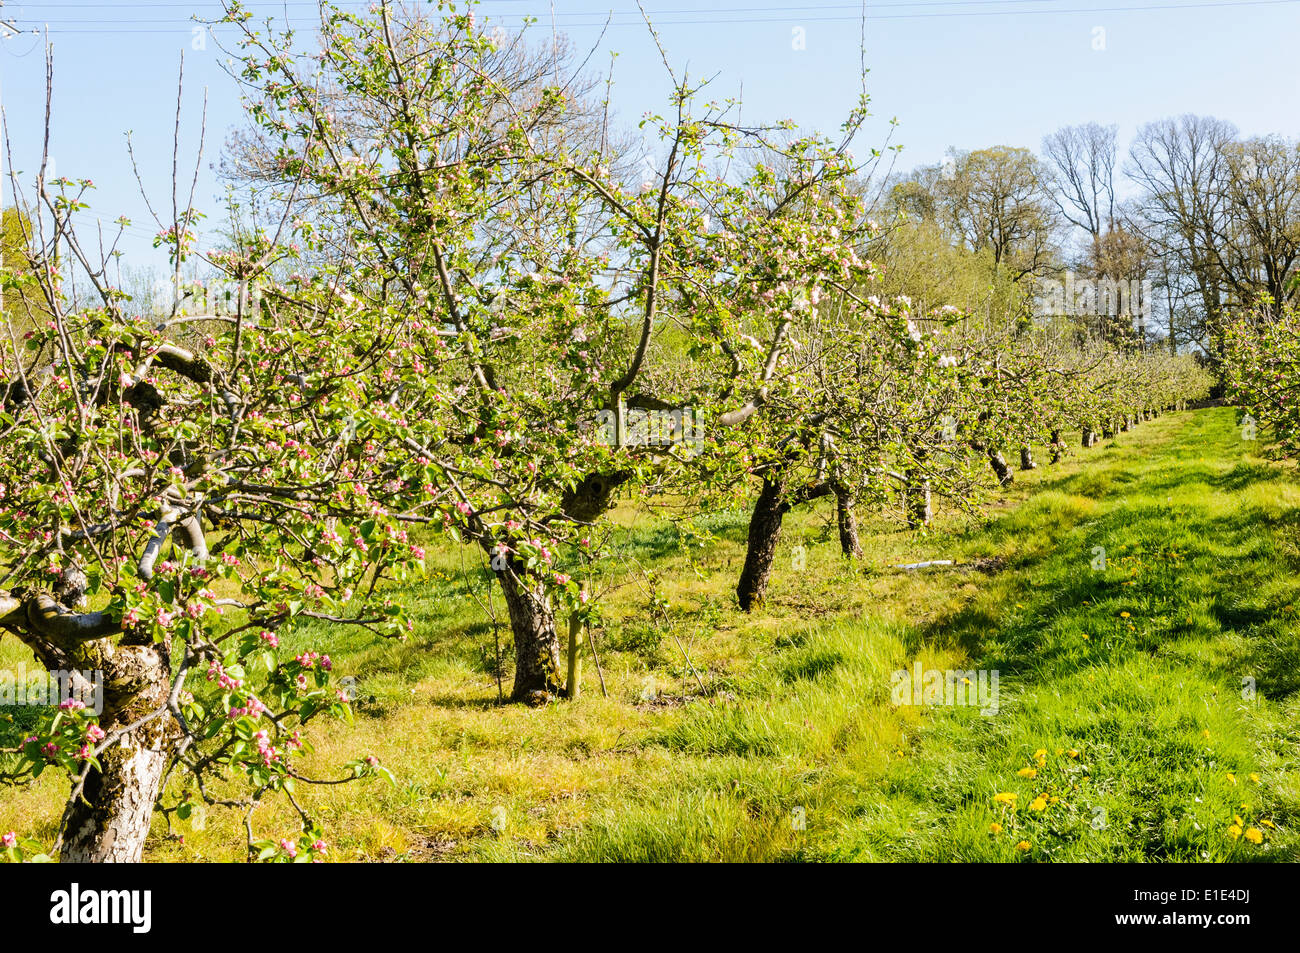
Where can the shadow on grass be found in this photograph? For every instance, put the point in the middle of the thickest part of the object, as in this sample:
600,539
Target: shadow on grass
1187,573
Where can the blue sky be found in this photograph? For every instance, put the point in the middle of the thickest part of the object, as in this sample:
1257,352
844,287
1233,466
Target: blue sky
969,73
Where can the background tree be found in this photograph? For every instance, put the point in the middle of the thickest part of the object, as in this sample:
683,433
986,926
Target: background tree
1180,169
995,200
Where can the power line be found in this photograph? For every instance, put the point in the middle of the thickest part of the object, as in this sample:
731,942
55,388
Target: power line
632,13
786,14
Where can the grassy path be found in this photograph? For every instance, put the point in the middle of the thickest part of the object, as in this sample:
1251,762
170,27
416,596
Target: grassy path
1172,673
1147,711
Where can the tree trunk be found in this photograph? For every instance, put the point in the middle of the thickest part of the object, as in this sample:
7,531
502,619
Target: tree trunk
1087,437
848,524
537,645
110,821
919,511
1124,426
538,672
1058,447
1027,458
1005,477
764,532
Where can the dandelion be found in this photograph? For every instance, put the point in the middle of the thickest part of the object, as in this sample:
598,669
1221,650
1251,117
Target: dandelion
1028,772
1073,753
995,828
1038,804
1234,831
1123,615
1006,797
1023,846
1254,777
1232,778
1254,835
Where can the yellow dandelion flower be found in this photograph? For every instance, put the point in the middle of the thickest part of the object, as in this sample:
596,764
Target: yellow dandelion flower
1205,733
1254,777
1254,835
1234,831
1027,773
995,828
1267,823
1037,804
1237,820
1085,636
1073,752
1053,800
1006,797
1023,846
1123,615
1232,777
1040,753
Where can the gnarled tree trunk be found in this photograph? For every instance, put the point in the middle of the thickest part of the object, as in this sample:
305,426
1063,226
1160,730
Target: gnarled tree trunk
919,511
764,533
1027,458
774,501
999,464
537,644
850,545
109,822
538,672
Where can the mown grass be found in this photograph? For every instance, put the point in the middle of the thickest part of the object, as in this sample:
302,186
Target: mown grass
793,751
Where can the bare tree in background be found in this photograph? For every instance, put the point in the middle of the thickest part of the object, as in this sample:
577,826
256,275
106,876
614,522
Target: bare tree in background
1081,168
1180,168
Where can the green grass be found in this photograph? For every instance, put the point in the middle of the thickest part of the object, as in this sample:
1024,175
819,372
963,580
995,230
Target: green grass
795,751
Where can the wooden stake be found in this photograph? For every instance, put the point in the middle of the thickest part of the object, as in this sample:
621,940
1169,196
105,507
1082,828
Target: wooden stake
591,643
575,656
